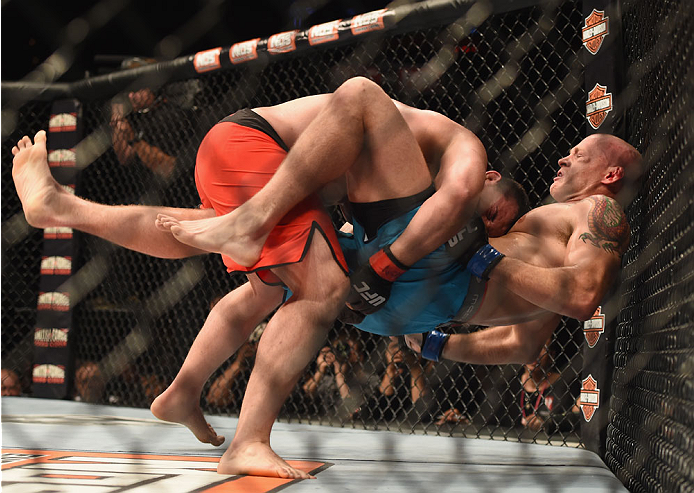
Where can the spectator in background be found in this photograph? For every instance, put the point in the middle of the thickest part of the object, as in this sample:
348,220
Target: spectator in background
10,383
151,127
89,382
227,389
338,375
546,399
403,387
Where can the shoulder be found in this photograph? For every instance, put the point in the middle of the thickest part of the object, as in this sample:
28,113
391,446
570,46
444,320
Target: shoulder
430,121
604,223
601,207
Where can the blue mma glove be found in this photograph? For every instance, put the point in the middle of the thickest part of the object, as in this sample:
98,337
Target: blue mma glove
467,241
484,260
433,343
470,247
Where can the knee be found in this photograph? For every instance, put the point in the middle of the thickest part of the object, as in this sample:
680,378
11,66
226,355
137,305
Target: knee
357,92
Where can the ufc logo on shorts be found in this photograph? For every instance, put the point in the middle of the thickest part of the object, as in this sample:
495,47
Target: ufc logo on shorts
460,235
374,299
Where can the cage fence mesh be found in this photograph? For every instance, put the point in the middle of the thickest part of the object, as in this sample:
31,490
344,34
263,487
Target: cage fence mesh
515,79
651,432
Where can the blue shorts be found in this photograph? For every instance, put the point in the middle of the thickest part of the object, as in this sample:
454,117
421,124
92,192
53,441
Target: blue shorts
430,293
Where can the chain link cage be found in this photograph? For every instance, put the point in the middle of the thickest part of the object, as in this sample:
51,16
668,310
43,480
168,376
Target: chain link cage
650,438
510,77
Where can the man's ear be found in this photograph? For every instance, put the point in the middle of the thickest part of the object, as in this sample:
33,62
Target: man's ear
492,176
613,175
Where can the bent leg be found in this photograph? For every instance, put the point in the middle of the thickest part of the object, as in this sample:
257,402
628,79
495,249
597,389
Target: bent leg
360,132
47,204
291,339
227,327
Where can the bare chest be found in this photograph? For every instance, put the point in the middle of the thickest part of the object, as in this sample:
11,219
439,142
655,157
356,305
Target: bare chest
541,237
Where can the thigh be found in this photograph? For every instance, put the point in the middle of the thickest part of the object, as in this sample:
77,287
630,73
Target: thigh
391,163
318,276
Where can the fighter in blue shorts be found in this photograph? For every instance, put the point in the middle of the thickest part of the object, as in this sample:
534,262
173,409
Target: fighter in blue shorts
434,290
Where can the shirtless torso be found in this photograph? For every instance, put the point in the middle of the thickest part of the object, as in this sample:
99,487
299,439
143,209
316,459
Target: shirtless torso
572,235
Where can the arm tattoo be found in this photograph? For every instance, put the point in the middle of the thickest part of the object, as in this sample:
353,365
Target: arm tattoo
607,225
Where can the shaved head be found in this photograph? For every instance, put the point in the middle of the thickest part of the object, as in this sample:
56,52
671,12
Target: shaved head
622,154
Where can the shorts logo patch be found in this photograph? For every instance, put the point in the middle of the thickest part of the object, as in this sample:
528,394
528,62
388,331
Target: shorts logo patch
55,470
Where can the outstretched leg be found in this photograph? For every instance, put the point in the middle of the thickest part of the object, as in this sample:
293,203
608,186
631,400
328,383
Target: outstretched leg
227,327
359,132
291,339
47,204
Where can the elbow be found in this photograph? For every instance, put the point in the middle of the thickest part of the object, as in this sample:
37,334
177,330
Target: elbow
530,351
583,307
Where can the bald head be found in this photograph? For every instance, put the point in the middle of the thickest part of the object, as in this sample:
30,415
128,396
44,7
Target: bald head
621,154
599,164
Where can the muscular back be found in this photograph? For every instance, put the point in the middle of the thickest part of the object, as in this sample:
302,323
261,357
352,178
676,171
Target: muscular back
587,236
432,131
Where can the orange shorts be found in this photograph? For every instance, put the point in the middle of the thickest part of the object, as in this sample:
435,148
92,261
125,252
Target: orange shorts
233,163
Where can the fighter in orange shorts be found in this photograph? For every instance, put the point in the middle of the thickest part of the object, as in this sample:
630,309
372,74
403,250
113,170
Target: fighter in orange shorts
388,150
235,160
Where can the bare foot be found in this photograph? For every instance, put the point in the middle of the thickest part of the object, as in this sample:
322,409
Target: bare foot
178,408
41,196
257,459
216,234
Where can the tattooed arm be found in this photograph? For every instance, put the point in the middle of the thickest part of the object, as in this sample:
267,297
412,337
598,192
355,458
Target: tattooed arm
597,237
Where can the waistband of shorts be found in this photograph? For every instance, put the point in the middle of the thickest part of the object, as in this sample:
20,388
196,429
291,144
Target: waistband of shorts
373,215
246,117
473,299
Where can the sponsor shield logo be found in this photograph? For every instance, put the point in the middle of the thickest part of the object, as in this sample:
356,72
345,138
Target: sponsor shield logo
57,233
54,374
54,300
599,104
50,337
62,158
595,29
63,122
590,397
594,327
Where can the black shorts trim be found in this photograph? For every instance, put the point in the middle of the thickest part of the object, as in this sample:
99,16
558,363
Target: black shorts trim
373,215
473,300
246,117
314,227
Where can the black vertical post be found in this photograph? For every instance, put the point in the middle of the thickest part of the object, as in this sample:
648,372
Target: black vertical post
604,73
53,335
